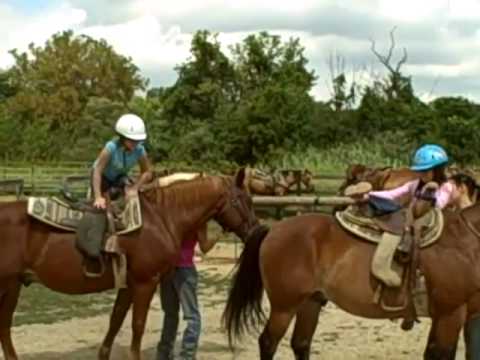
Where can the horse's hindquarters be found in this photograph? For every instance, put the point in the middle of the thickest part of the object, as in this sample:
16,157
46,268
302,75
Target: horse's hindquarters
311,253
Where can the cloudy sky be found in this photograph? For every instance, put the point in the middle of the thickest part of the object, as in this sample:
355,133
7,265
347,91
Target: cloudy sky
442,37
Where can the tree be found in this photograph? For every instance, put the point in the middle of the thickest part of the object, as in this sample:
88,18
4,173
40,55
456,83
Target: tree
396,86
343,95
244,109
274,107
55,82
71,90
7,90
447,106
204,82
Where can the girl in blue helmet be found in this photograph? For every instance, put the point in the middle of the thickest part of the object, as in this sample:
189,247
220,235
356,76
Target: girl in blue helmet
429,161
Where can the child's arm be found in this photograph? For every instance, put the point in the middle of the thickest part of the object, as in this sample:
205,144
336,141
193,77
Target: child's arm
204,242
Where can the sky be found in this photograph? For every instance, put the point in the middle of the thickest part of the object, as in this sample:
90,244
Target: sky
441,37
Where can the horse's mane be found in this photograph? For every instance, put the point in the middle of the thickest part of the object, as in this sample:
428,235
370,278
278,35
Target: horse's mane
185,191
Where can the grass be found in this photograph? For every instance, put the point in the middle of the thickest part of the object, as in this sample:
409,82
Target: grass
39,305
386,149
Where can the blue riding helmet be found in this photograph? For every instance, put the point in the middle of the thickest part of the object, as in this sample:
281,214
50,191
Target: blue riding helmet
428,157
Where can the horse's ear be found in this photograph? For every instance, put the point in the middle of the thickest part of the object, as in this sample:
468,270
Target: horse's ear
240,177
349,172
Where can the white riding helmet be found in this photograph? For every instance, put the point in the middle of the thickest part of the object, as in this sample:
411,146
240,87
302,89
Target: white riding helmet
131,126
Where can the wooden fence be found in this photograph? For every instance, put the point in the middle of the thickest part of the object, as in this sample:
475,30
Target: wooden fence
48,178
39,179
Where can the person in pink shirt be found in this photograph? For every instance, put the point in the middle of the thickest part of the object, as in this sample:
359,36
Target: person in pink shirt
179,290
430,161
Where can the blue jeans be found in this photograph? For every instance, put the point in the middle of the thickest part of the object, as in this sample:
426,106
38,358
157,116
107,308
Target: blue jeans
179,290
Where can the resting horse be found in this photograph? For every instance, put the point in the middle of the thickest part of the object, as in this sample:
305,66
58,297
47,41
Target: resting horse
261,183
306,260
168,215
385,178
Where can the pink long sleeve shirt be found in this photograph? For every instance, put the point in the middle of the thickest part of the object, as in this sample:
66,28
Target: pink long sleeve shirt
443,194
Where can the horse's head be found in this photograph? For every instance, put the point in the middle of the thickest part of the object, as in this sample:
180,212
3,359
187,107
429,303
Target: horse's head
236,213
354,174
307,178
360,173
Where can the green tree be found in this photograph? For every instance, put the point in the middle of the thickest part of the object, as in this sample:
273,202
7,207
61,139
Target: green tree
69,91
274,107
204,82
7,89
448,106
56,81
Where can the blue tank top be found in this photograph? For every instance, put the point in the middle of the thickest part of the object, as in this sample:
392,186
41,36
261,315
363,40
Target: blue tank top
121,161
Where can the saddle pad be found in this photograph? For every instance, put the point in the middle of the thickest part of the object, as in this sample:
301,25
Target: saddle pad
431,225
59,214
270,180
170,179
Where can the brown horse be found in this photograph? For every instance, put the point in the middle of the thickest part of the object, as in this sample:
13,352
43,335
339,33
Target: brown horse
298,178
385,178
306,260
260,183
168,214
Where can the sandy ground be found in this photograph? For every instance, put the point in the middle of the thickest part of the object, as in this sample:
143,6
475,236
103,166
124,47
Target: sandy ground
339,335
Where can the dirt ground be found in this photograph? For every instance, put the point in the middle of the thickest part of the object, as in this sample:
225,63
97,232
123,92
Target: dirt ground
339,335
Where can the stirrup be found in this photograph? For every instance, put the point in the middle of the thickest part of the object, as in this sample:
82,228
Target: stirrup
90,274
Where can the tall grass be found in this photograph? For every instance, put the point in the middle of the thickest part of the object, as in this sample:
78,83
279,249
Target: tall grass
387,150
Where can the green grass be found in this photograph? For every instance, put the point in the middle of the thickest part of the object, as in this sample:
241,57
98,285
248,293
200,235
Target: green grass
386,149
39,305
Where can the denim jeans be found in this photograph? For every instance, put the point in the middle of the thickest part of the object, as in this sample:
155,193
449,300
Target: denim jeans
179,290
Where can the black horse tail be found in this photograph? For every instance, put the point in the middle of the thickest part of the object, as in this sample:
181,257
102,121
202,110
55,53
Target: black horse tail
244,305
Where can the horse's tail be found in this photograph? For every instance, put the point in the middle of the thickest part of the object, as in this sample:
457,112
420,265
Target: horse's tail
244,305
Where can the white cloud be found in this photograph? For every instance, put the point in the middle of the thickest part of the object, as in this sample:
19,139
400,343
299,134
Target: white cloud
442,36
22,30
413,10
467,68
464,9
165,8
145,41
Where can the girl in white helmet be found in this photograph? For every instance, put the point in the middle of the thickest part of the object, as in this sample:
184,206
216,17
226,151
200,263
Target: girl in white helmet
118,157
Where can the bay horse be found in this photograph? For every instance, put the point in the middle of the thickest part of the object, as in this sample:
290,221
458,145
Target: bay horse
259,182
307,260
382,178
169,213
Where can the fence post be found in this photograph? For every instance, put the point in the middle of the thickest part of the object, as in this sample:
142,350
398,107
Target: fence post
32,177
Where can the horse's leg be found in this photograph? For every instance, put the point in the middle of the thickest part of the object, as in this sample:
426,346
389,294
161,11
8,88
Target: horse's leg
305,325
8,303
471,333
120,309
142,296
273,332
443,336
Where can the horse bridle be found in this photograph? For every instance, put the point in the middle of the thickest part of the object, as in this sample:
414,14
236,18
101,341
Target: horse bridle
233,202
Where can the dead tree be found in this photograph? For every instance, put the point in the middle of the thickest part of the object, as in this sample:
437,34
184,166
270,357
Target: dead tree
397,85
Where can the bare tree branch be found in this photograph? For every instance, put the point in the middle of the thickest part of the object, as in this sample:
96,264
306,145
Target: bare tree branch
402,61
386,60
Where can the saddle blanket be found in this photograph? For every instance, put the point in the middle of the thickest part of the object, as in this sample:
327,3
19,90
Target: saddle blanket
431,225
59,214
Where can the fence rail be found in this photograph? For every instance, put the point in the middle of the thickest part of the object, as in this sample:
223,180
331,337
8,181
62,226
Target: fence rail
41,179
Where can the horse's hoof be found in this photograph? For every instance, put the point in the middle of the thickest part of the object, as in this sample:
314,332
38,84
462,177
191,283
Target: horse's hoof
104,353
27,278
407,324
